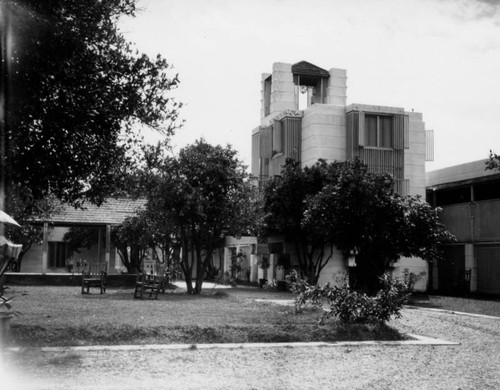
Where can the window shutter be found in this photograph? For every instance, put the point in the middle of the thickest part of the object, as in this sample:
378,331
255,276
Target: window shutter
266,142
361,129
406,131
401,132
277,136
429,145
354,121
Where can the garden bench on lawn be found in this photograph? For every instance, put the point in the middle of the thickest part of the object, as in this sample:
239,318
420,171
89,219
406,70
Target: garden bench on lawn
95,279
148,285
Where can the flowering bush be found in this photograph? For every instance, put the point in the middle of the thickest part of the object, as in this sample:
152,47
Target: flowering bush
76,265
351,306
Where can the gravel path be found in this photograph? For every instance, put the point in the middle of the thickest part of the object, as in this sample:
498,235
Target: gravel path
474,364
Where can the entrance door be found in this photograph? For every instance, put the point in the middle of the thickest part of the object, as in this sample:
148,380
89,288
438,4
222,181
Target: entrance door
488,268
451,269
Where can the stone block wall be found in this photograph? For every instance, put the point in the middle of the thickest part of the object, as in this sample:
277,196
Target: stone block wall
323,133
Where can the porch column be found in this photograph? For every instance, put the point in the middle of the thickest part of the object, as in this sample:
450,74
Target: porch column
270,270
254,268
107,254
227,260
99,244
45,248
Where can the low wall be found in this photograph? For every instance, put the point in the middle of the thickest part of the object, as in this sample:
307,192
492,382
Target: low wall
32,279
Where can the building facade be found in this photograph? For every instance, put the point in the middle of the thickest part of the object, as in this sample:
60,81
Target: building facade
469,196
305,116
51,254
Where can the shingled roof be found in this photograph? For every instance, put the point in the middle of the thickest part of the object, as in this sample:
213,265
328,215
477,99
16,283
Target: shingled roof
111,212
304,68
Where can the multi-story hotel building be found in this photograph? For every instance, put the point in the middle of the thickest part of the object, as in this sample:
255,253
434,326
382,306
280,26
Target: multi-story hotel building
305,116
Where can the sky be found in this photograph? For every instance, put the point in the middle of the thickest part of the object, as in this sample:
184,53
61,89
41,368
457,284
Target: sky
437,57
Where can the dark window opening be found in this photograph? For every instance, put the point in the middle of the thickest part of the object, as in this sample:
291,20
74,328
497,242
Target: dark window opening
267,96
275,247
453,196
59,252
310,90
487,191
378,131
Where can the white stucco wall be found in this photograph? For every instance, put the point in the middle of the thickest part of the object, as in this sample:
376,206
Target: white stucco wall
323,133
282,89
414,157
334,271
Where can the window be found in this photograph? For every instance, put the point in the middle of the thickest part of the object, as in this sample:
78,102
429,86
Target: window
487,191
267,95
378,131
453,196
58,253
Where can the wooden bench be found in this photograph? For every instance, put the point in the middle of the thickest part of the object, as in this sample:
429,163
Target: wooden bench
148,285
95,279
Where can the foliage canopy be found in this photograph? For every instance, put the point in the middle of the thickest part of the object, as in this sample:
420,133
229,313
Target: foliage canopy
199,197
74,90
343,205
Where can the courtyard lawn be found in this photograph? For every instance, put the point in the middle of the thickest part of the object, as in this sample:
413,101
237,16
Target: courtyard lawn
62,316
475,304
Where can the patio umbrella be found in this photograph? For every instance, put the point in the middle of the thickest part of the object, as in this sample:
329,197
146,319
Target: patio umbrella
6,218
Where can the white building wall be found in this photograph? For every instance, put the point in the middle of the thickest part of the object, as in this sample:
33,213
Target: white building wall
323,133
282,89
335,270
416,266
414,159
337,87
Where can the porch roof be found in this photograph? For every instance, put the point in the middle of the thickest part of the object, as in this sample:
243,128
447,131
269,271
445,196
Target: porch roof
111,212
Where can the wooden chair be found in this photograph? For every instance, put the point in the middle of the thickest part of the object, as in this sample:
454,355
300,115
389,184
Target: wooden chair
96,279
147,284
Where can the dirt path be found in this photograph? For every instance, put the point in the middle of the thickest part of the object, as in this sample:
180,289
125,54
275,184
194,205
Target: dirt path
474,364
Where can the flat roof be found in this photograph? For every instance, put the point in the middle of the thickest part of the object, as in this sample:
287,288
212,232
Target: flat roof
461,174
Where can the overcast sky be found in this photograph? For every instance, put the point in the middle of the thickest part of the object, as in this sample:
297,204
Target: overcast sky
438,57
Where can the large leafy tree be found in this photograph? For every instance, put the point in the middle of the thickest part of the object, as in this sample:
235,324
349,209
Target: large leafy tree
358,212
132,238
74,90
203,195
284,207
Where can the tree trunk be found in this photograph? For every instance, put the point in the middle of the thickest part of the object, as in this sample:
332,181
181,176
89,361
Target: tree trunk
187,267
123,253
199,271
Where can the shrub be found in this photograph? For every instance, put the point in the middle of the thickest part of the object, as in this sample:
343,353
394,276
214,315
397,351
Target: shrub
350,306
225,278
411,279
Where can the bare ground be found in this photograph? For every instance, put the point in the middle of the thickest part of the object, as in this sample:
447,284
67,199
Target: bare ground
474,364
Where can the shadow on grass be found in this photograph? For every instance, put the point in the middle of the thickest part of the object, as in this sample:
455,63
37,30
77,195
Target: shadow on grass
37,336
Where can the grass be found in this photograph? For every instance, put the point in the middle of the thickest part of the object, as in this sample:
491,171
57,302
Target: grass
474,304
61,316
